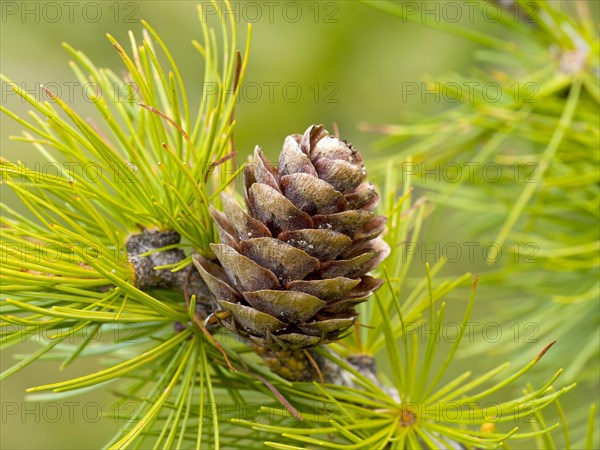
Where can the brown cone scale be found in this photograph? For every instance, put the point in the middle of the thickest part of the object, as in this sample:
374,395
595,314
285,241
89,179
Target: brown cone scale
294,264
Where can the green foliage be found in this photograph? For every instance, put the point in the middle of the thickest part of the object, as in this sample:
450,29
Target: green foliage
541,136
179,379
150,173
154,165
418,410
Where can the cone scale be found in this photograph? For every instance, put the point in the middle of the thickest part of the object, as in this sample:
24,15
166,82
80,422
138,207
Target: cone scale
292,266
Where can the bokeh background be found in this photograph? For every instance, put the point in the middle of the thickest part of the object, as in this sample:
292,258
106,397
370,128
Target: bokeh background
311,62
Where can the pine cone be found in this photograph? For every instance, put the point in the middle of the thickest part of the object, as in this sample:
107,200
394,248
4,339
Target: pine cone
294,267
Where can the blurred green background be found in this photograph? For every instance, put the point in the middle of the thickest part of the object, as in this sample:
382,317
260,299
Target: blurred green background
310,62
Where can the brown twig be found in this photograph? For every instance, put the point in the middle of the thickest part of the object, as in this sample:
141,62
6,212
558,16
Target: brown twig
201,325
279,396
152,109
315,366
